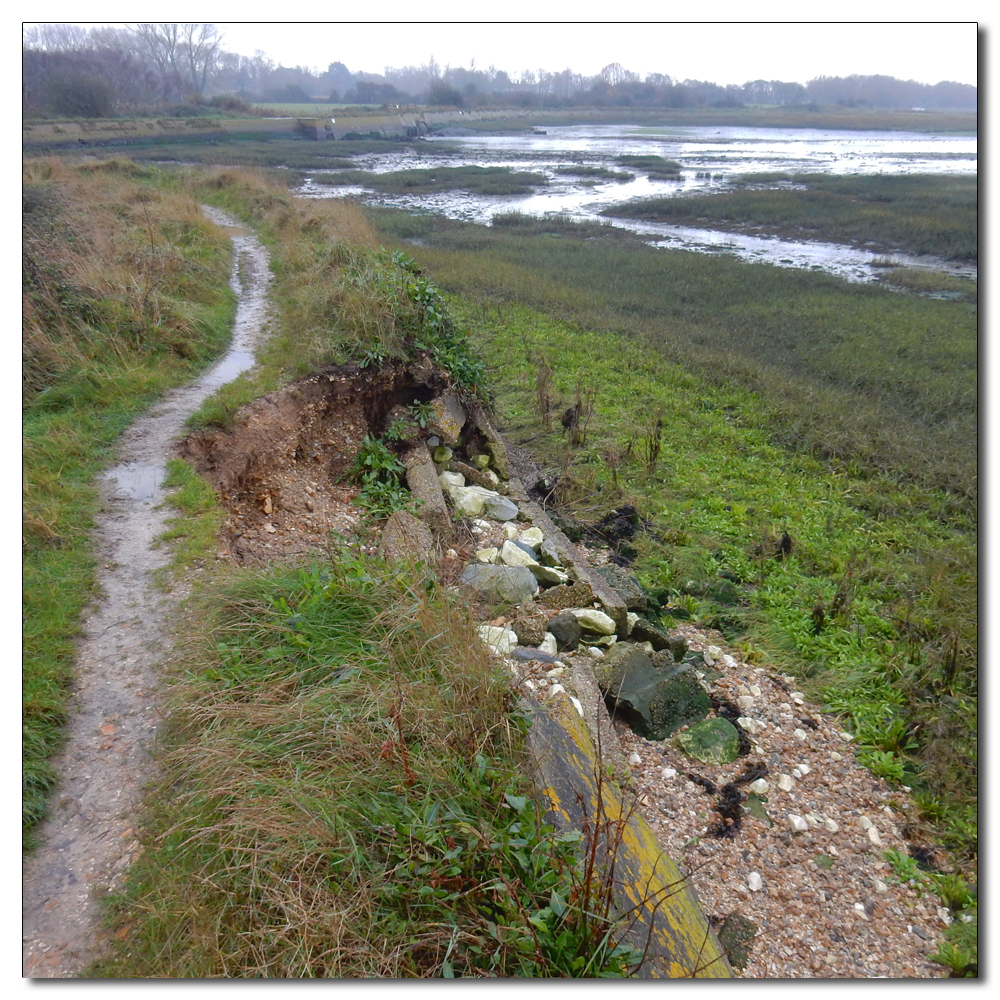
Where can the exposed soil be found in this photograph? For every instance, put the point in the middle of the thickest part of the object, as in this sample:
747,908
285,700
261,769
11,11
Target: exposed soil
283,472
88,841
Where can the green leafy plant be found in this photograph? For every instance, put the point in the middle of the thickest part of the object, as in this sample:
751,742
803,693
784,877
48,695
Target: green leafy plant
380,473
883,763
422,413
957,959
953,890
904,867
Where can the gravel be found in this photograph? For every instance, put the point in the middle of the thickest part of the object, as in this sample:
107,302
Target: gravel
814,881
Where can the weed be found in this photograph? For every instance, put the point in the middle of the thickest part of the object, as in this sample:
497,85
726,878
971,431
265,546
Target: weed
885,765
380,474
957,959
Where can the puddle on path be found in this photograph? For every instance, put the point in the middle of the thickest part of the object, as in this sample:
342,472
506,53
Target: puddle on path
89,840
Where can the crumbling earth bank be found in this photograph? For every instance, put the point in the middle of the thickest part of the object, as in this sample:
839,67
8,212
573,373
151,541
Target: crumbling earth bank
283,472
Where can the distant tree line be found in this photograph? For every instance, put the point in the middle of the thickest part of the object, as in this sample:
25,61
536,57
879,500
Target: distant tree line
102,72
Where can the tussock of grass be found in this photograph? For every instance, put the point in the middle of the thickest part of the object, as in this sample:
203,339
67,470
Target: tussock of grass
342,796
124,293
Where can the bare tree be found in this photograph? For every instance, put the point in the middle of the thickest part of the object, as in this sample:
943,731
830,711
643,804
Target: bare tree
56,38
200,51
184,54
614,73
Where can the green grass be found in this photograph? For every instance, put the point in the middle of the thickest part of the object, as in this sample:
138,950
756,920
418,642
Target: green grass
595,173
193,530
923,214
851,372
125,296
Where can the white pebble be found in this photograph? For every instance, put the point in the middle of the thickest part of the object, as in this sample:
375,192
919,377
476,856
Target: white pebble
596,652
831,825
668,772
865,823
634,758
754,882
759,786
510,530
797,823
729,661
755,690
804,768
785,782
880,887
752,726
577,705
873,836
556,689
800,734
555,672
797,697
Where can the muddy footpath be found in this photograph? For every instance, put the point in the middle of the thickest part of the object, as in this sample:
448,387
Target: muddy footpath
88,840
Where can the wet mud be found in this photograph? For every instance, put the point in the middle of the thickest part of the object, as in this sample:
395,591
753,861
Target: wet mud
89,839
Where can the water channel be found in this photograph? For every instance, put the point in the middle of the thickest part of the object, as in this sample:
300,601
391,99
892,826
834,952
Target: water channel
710,158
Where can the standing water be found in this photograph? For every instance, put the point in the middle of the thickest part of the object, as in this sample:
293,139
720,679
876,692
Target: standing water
710,158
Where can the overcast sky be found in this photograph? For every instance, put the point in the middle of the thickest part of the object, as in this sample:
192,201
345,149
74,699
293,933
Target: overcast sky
723,52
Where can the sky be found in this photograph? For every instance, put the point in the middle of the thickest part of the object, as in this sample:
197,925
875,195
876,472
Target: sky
723,52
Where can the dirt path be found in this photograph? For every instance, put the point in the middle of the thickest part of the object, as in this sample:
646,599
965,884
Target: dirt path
88,841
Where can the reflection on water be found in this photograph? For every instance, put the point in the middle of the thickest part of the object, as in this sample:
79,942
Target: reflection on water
710,159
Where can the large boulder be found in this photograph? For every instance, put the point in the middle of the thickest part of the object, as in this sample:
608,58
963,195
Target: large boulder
566,630
625,585
655,703
422,481
644,630
507,584
712,741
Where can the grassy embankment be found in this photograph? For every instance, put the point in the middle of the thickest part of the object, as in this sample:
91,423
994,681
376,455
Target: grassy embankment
733,402
125,295
922,214
343,789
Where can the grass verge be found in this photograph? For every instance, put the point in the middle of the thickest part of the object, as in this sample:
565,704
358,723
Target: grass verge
342,795
125,295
